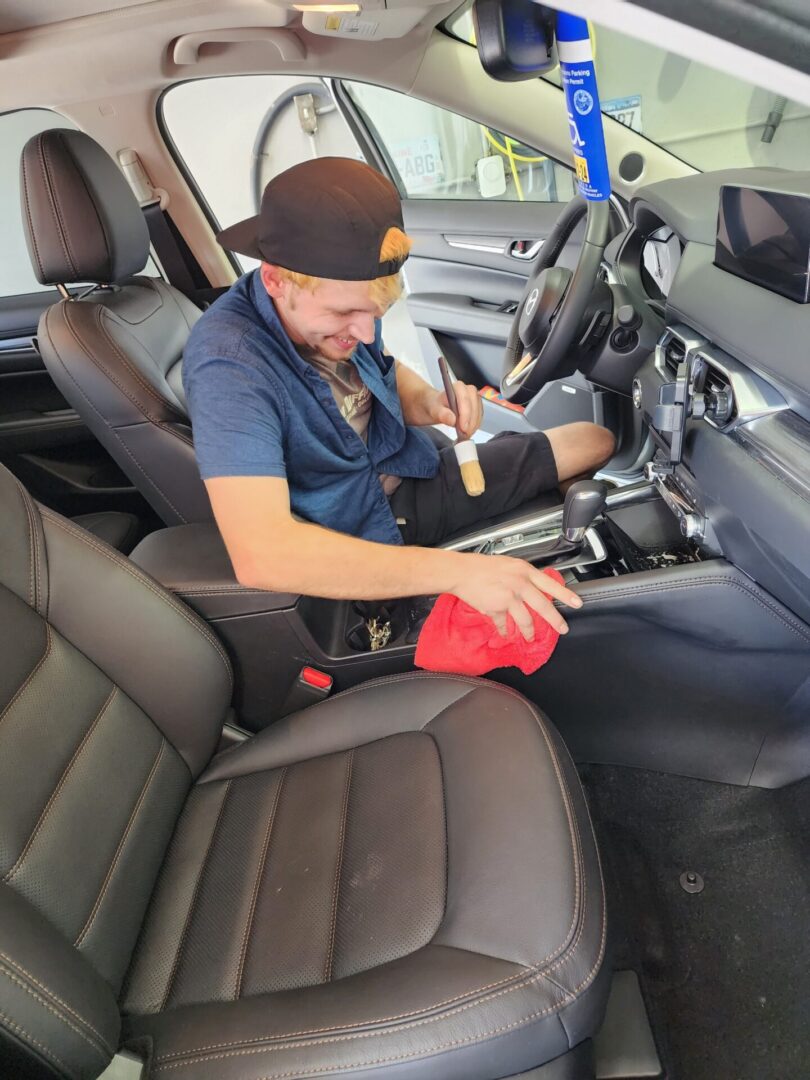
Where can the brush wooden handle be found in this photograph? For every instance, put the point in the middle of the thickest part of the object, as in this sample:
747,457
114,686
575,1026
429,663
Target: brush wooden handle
471,473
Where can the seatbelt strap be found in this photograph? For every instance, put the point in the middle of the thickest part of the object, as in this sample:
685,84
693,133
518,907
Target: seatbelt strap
167,249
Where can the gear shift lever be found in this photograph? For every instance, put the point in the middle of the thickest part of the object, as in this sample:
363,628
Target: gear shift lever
584,501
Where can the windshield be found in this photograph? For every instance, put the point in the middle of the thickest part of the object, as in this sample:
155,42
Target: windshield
707,118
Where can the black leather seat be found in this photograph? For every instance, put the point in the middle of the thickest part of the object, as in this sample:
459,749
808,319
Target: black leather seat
401,881
114,353
117,529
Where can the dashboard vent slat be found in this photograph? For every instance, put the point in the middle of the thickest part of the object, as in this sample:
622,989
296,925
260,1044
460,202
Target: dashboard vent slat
674,354
718,395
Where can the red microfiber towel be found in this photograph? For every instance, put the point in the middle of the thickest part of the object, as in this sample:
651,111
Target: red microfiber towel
459,640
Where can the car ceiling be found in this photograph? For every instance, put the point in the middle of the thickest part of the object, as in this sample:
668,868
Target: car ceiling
24,14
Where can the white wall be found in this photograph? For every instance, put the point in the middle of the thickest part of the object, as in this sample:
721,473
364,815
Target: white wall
233,111
214,123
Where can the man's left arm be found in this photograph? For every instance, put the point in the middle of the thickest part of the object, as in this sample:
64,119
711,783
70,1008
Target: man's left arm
423,404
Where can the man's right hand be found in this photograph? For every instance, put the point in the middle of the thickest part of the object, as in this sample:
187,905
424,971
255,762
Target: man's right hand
498,585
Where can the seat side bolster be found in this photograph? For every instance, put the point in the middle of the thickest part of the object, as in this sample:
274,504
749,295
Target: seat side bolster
49,988
339,724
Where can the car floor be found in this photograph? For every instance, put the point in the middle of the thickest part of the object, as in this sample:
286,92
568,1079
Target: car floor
725,972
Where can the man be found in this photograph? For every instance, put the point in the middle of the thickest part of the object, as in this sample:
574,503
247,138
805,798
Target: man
307,432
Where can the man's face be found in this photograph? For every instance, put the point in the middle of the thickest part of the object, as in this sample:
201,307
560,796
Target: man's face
330,320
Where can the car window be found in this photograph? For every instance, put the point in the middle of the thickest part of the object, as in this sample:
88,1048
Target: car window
259,125
437,154
235,133
16,128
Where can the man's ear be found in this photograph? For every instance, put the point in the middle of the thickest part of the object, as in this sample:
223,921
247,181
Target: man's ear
272,281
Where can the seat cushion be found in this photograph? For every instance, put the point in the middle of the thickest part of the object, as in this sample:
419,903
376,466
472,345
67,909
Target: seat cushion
403,872
116,529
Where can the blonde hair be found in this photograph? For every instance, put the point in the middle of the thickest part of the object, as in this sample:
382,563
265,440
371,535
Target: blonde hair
384,290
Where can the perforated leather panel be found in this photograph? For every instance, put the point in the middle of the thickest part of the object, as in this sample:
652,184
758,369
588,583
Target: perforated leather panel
297,876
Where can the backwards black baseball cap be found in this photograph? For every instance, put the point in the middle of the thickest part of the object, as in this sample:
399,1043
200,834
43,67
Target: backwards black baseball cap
326,217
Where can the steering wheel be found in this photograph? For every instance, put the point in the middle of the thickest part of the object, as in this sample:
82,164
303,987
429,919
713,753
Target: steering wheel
548,317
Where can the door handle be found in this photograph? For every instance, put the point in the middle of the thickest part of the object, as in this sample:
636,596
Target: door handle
525,250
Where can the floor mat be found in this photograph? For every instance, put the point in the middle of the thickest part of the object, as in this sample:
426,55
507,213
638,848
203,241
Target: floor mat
725,972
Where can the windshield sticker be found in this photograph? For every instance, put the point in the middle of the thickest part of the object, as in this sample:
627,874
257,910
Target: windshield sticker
627,110
582,101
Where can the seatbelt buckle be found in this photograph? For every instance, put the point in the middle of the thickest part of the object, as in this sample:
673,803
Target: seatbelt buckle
309,687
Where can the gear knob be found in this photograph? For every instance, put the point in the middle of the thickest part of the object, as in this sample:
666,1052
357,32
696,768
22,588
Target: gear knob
584,501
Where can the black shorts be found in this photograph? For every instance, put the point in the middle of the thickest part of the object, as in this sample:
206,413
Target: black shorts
516,468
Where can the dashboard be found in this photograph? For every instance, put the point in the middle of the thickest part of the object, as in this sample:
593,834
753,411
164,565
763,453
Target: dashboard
725,392
669,255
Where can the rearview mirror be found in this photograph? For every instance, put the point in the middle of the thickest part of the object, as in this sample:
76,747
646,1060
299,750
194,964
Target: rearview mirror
515,38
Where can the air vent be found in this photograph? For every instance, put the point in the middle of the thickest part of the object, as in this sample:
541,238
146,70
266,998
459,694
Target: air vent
716,382
718,397
674,355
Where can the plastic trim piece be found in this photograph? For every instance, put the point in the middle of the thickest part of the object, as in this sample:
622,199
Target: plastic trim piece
753,397
624,1046
548,520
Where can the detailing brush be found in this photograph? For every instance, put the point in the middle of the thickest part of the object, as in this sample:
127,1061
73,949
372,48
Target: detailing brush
466,450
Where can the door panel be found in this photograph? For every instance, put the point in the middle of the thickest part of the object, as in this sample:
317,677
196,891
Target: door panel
479,233
33,414
464,278
464,284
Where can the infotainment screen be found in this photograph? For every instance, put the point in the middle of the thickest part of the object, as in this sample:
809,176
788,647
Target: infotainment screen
764,237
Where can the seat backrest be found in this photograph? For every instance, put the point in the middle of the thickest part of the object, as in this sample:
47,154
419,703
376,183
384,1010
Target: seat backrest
112,697
115,353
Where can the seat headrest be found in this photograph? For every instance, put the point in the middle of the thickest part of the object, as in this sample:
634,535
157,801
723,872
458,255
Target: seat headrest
81,220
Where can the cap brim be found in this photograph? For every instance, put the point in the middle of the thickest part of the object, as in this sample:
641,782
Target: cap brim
242,238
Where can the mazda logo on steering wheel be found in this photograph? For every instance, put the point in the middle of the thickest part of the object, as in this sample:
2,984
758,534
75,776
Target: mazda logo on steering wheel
531,303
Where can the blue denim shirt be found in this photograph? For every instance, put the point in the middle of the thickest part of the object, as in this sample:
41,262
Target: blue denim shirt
258,409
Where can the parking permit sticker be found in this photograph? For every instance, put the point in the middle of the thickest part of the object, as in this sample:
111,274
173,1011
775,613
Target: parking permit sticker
582,101
626,110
